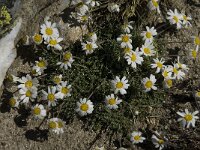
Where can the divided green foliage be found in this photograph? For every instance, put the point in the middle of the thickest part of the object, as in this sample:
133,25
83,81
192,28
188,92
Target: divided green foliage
90,77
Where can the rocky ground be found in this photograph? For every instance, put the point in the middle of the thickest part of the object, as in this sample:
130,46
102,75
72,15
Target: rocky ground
14,134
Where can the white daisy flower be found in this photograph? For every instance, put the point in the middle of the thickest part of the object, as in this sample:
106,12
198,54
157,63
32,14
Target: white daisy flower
197,94
112,102
113,7
67,60
64,90
177,73
186,21
56,125
82,18
149,34
89,47
136,137
149,83
153,5
167,72
51,96
125,40
127,27
57,79
193,53
28,94
37,38
175,18
39,112
94,3
168,83
84,107
196,40
188,119
49,30
120,85
54,42
158,64
134,58
92,37
40,66
28,82
13,102
148,49
180,65
159,140
82,8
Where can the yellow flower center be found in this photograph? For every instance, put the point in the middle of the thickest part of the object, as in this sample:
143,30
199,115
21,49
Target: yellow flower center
137,138
148,35
197,41
155,4
169,82
60,124
41,64
84,107
28,93
148,84
119,85
89,47
112,101
29,84
133,57
53,42
65,90
198,93
127,50
185,17
147,51
125,38
90,34
37,38
176,19
84,18
36,111
12,102
175,70
51,97
160,141
194,53
52,125
33,71
57,79
188,117
165,73
67,56
49,31
159,64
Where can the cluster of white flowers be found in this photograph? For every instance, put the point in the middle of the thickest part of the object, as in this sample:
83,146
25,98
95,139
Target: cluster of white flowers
134,58
181,20
158,139
49,34
90,45
41,105
85,106
82,8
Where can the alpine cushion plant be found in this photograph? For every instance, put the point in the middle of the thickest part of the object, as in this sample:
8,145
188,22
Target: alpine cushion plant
115,69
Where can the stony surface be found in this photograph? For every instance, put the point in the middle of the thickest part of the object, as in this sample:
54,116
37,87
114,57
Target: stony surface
75,137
